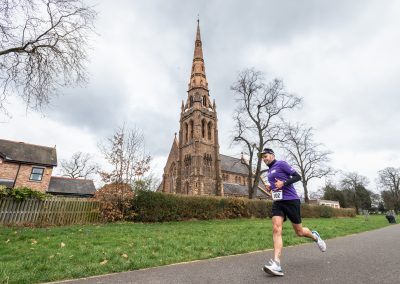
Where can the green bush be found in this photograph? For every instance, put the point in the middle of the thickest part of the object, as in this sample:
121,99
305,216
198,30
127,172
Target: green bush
344,212
4,191
21,193
326,211
151,206
318,211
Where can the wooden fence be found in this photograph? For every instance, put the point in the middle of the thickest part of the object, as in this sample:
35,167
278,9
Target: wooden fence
53,211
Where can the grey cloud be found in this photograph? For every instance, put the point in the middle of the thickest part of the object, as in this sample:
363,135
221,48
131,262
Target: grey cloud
141,65
93,108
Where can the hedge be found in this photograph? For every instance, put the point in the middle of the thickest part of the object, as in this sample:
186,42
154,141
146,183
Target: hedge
160,207
21,193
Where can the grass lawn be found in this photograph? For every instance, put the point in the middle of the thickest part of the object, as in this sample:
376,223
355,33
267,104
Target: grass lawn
32,255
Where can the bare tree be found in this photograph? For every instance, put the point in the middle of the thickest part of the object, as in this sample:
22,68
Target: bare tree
79,166
389,182
354,187
258,118
126,154
305,155
43,46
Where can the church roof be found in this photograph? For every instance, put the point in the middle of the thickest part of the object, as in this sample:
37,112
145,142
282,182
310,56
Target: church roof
233,165
240,190
198,77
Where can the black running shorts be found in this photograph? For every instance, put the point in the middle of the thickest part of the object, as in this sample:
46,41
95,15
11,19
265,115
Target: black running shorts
287,208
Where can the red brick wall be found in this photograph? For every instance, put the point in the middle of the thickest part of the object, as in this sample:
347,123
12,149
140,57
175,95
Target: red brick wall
9,171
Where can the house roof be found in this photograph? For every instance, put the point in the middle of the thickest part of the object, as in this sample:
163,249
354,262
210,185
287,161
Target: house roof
7,182
13,151
233,165
240,190
62,185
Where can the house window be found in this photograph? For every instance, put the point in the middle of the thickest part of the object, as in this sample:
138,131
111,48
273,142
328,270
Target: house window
36,174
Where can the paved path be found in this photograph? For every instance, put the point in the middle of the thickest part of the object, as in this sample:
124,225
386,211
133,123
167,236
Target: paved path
370,257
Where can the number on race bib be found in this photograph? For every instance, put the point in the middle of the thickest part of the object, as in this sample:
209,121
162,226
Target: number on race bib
277,195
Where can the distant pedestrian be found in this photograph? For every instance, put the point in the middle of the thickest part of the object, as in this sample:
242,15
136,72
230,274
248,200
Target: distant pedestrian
286,204
390,216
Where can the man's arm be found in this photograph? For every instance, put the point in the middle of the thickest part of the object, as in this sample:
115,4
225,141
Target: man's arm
294,177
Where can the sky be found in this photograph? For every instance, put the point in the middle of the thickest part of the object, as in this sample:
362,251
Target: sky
341,57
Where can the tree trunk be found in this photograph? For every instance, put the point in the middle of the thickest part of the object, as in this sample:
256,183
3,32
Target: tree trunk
255,188
250,185
306,199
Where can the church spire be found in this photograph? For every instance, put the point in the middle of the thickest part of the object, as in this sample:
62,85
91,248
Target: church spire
198,77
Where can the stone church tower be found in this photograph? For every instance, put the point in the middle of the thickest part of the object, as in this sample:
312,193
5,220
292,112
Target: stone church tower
193,166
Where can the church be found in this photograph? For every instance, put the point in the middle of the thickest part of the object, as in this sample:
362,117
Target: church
194,165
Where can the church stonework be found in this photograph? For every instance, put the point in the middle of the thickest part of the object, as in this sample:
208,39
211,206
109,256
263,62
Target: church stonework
193,166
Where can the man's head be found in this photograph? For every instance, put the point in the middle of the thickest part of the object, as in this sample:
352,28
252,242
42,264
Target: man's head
267,155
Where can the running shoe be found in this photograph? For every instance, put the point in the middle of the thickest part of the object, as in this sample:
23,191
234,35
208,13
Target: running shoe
320,242
273,268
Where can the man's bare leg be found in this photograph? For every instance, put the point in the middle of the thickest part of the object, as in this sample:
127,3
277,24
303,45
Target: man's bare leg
303,231
277,222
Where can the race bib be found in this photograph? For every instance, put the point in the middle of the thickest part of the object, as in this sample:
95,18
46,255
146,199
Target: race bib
277,195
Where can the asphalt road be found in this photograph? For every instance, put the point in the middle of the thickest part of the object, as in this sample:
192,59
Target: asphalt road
370,257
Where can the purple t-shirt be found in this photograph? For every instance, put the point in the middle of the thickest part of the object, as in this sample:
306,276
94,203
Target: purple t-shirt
282,171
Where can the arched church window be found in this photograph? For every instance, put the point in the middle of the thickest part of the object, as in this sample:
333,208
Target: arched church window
203,128
172,176
191,129
191,101
187,162
204,101
186,130
209,130
207,164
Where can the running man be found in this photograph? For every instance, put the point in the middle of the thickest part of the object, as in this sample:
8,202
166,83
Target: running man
286,204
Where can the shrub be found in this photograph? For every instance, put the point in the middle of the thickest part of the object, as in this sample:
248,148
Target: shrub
344,212
326,211
4,191
115,202
160,207
316,211
21,193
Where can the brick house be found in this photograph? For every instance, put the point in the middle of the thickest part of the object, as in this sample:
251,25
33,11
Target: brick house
23,164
